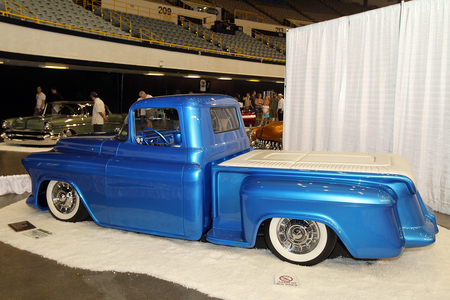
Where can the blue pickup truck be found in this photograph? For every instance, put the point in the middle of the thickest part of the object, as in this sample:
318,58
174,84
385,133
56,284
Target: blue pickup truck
182,167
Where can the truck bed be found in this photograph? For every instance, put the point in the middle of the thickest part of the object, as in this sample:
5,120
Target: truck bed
375,163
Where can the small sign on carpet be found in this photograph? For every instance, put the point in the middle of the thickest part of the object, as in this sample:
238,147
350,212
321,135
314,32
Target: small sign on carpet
282,279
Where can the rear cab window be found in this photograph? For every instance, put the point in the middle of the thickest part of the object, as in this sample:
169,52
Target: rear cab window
224,119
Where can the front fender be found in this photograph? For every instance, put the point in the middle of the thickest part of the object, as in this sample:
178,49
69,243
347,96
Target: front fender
363,217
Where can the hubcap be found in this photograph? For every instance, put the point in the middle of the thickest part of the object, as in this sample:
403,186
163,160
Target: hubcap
298,236
64,197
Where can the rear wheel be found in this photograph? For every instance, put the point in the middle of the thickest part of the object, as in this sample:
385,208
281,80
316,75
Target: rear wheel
64,202
299,241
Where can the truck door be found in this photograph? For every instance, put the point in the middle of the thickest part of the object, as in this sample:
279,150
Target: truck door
144,180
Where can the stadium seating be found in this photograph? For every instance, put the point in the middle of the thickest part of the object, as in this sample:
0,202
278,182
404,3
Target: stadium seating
189,35
279,12
346,8
242,7
314,9
68,13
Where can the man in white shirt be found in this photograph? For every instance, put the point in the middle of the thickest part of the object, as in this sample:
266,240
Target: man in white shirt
142,112
280,107
40,102
98,113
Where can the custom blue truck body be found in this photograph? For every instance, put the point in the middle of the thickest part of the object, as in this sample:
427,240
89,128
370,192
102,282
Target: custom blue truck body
186,170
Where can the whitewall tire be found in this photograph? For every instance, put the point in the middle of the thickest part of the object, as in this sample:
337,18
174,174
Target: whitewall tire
64,202
299,241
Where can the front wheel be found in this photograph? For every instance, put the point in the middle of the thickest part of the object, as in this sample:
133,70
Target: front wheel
64,202
298,241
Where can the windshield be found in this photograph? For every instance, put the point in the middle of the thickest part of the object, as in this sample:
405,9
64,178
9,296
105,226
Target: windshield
68,109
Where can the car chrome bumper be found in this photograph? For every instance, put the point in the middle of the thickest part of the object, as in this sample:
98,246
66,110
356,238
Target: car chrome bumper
44,139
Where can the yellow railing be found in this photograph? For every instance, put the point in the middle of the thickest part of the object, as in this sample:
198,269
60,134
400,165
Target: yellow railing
19,12
187,4
191,25
247,15
150,36
207,34
123,22
211,37
241,53
289,23
236,49
264,38
136,10
279,45
271,43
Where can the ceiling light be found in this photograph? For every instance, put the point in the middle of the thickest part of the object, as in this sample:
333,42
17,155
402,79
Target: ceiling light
279,81
58,67
154,74
1,62
253,80
192,76
225,78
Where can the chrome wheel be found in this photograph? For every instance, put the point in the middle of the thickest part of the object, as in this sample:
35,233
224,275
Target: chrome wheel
298,236
64,202
299,241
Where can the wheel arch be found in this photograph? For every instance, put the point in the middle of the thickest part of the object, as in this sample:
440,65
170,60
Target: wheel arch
41,191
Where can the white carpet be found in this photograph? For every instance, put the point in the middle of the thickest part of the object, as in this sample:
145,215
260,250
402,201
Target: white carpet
27,149
229,272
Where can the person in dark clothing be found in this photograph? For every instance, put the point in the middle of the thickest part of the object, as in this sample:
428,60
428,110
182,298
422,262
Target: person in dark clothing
56,96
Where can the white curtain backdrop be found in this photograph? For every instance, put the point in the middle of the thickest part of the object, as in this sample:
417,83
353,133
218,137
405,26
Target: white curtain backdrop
375,82
15,184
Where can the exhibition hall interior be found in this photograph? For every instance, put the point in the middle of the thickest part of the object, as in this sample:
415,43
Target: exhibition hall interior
295,135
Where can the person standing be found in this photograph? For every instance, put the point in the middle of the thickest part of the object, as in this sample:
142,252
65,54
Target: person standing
274,108
98,113
259,101
280,107
248,102
56,96
40,102
142,112
265,111
252,100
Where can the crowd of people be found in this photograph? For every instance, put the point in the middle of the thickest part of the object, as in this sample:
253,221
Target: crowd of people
269,109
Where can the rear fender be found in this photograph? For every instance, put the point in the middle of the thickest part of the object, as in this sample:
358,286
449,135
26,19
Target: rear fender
363,217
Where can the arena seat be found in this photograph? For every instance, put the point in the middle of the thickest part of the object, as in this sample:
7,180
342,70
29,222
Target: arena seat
69,13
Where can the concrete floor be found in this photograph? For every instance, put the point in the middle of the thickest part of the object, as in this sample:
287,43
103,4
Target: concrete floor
24,275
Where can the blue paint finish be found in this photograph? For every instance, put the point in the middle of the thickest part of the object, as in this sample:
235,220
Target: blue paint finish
183,192
373,217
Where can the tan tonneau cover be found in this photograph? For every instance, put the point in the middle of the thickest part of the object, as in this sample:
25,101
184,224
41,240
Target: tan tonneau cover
377,163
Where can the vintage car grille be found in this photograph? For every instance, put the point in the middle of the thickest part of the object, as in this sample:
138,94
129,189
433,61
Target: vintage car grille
26,135
268,145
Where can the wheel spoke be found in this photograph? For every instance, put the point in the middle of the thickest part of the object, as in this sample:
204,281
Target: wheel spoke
298,236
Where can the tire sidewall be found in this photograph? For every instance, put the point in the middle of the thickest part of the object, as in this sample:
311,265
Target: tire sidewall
323,249
70,217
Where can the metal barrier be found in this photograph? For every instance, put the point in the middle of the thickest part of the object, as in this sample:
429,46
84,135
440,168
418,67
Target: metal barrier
150,36
20,11
247,15
120,21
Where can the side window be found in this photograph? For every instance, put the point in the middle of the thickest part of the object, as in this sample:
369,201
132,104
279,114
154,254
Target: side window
224,119
157,127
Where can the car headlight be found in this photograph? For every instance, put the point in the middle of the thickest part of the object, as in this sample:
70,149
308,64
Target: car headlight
6,124
48,126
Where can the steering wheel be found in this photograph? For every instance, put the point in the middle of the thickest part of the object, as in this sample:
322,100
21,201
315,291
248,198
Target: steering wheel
157,132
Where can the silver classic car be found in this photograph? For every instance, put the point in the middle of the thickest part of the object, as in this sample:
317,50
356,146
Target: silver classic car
59,119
